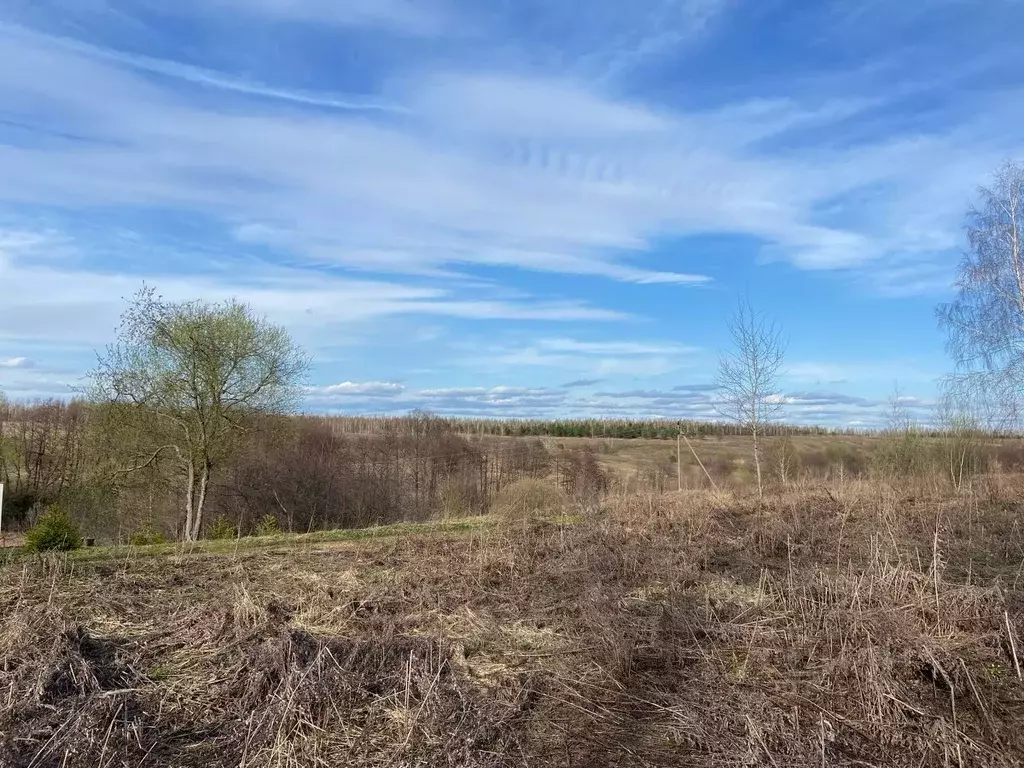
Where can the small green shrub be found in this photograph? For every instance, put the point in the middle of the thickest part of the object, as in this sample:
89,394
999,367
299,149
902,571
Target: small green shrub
267,526
147,535
55,531
222,529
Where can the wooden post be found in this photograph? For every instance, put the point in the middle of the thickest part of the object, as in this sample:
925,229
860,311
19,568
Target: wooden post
701,463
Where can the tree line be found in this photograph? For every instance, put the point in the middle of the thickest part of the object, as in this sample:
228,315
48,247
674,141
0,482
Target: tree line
626,429
289,473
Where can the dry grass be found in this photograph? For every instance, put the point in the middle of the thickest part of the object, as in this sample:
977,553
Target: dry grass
529,498
647,464
853,626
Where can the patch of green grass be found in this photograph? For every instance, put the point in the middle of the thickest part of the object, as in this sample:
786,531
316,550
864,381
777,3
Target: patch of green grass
281,540
160,673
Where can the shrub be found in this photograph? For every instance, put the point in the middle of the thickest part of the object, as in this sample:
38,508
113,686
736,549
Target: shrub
905,453
719,466
845,457
147,535
964,455
1010,455
527,498
222,529
267,526
55,531
581,476
784,459
455,501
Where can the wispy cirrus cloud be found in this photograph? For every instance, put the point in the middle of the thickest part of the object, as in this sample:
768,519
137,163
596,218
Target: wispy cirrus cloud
566,123
199,76
276,171
624,348
83,307
597,359
591,178
383,165
883,371
695,388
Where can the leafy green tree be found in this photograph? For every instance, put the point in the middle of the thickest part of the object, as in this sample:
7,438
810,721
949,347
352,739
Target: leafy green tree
184,379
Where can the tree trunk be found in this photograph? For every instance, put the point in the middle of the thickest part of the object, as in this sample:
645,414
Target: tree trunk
200,504
757,466
190,494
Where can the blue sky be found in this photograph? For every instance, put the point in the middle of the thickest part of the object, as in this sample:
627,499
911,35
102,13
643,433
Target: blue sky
505,207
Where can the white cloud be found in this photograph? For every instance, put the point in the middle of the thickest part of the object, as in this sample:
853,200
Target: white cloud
509,106
363,389
489,399
587,358
613,39
198,75
24,378
811,408
487,166
455,166
83,307
417,195
379,196
821,372
626,348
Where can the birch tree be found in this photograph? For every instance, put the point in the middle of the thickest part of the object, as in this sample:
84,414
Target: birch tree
748,376
985,320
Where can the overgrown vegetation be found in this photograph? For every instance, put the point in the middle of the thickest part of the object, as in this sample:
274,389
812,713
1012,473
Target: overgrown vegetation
312,473
529,498
677,630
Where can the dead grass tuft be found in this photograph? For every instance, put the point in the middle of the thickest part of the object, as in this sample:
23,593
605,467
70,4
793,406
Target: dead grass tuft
529,498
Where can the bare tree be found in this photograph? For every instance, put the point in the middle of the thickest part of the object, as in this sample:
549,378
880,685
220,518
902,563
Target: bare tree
901,420
985,321
184,379
748,376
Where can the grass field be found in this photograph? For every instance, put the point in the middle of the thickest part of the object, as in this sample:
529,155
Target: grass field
650,465
846,625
